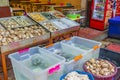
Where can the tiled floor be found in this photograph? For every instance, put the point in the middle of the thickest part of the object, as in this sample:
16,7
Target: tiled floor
86,33
89,33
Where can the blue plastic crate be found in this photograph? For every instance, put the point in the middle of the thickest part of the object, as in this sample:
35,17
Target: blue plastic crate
115,20
80,72
114,31
114,27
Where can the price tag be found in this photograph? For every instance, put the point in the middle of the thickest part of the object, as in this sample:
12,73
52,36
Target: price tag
23,50
54,69
78,57
96,47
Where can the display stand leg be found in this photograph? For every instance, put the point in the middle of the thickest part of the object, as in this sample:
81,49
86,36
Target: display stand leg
51,40
0,78
4,67
77,33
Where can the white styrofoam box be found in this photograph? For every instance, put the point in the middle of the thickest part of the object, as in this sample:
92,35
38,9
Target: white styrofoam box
36,64
89,46
76,56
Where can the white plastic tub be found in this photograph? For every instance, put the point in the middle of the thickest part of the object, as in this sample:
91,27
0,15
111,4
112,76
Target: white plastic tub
74,58
91,47
35,64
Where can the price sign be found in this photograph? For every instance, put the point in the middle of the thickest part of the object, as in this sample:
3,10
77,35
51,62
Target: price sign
54,69
23,50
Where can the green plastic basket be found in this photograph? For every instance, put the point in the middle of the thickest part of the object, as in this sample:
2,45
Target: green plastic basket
73,16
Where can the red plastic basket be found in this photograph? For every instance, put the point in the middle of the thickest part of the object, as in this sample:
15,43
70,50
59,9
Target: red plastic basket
110,77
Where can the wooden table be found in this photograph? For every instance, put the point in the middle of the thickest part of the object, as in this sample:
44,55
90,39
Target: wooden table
57,6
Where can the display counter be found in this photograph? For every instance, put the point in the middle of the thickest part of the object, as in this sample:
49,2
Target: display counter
22,32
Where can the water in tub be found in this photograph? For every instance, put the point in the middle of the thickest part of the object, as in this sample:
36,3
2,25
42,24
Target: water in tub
67,56
38,63
79,46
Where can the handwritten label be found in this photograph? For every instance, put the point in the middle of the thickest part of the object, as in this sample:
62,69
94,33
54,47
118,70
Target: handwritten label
23,50
54,69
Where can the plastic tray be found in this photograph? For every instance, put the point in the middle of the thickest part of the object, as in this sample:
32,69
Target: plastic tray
37,17
48,15
69,22
35,64
57,14
65,31
74,58
9,23
47,24
24,20
60,24
26,42
80,72
89,46
63,28
109,55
